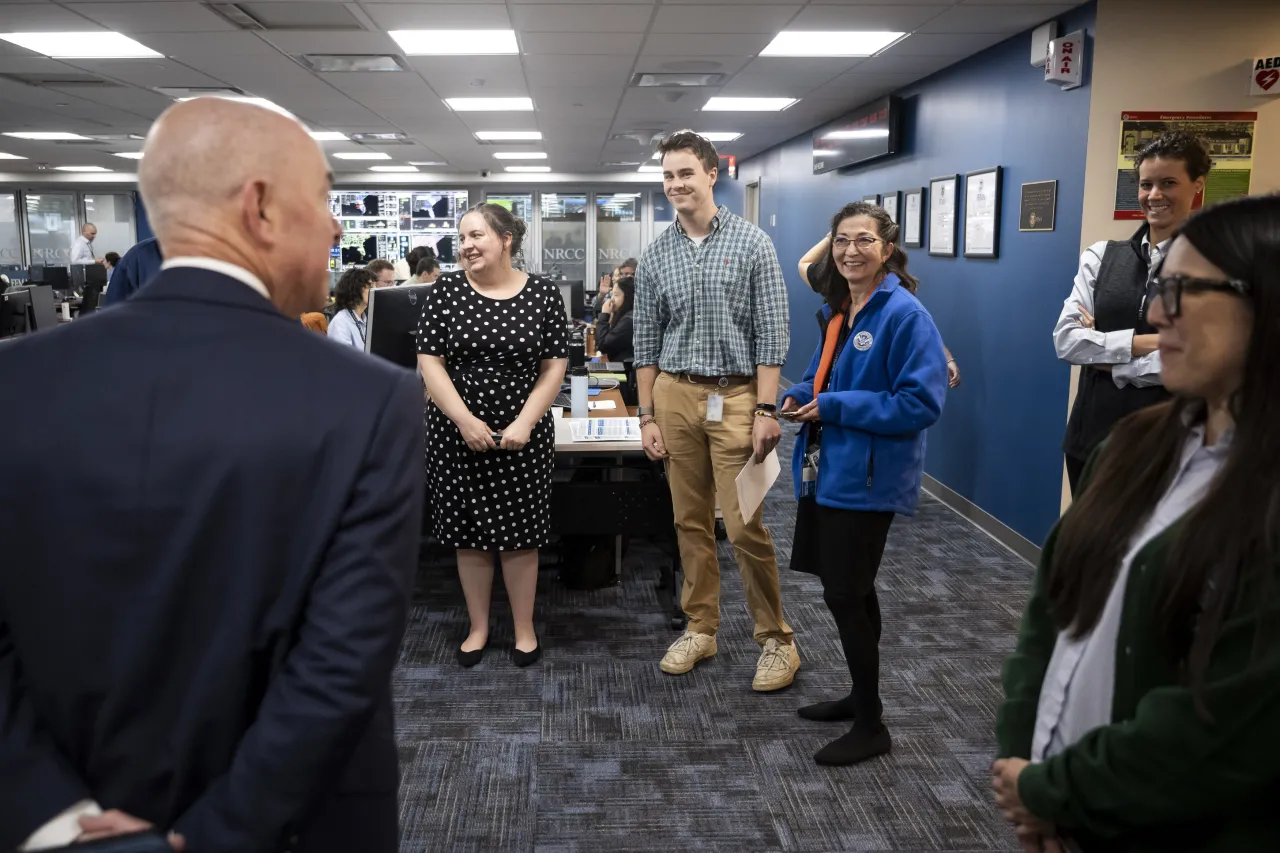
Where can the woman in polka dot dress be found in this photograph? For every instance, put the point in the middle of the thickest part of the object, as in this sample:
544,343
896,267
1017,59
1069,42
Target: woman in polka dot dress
492,344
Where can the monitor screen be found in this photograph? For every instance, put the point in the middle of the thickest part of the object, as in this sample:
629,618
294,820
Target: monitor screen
42,314
394,313
573,294
14,304
867,133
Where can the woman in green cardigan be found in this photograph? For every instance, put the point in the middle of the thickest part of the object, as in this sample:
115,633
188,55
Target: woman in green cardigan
1142,704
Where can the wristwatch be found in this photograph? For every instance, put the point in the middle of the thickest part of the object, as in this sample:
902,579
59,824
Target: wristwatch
641,411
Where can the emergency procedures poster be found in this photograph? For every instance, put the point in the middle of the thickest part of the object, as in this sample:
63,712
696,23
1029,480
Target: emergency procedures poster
1229,137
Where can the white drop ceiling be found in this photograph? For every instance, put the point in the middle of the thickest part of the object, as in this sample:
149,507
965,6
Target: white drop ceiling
577,58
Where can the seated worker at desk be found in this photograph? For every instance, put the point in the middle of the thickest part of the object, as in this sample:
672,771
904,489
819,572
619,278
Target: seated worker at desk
613,329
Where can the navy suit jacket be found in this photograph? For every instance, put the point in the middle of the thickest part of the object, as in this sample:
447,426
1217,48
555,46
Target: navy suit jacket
209,526
138,266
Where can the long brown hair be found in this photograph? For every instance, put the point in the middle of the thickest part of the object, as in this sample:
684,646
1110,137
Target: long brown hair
627,285
1225,553
833,285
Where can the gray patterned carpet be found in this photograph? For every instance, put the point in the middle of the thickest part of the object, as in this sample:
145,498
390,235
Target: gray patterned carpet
595,749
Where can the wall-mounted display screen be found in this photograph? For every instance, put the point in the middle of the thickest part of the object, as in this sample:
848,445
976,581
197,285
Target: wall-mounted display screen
867,133
388,223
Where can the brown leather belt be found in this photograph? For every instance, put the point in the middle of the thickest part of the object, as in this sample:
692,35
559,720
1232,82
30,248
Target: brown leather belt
721,381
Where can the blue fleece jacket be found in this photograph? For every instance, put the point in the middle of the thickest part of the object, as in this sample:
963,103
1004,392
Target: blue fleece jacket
887,387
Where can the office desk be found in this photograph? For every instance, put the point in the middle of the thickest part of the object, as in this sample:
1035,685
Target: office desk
617,491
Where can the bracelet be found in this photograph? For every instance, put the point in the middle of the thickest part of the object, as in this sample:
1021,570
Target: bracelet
646,420
951,361
760,413
766,407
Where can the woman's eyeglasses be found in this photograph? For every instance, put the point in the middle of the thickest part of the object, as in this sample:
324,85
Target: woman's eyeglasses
863,242
1171,287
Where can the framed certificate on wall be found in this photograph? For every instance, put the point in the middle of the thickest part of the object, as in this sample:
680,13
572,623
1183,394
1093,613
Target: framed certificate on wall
942,215
889,201
982,213
912,221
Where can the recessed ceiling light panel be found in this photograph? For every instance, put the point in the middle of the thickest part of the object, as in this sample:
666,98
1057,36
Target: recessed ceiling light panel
509,135
385,138
393,168
81,169
4,156
47,136
492,105
821,43
427,163
362,155
719,135
528,168
455,42
92,45
519,155
129,155
327,136
748,105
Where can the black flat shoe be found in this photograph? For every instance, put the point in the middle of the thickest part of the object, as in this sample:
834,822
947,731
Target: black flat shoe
470,659
520,658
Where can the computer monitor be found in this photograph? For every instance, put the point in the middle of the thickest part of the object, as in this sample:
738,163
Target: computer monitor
14,305
58,278
574,295
83,275
394,314
41,313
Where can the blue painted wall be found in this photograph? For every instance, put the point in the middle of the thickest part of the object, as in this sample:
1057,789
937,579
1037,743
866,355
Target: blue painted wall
997,443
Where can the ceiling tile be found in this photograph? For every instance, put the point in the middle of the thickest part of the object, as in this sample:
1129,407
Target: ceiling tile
630,18
900,18
971,18
439,16
502,76
42,18
32,64
711,44
373,88
572,44
778,75
498,121
180,45
935,44
858,80
694,64
296,43
718,18
138,101
916,66
589,71
149,73
153,17
577,103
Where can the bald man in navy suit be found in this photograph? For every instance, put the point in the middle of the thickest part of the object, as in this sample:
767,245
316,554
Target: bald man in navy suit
198,625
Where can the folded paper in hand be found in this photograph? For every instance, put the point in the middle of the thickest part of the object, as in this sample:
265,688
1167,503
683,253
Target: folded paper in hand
754,482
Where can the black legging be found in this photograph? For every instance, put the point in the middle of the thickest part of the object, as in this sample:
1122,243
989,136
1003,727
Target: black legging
849,590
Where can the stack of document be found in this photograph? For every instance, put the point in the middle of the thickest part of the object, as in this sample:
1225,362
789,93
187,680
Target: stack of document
605,429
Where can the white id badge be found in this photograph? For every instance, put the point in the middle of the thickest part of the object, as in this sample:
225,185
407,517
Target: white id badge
715,409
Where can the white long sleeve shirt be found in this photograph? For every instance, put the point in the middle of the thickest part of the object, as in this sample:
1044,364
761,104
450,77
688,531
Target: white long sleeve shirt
1076,344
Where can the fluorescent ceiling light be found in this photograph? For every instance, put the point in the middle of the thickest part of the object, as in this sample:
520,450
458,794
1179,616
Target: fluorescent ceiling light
825,152
719,135
393,168
528,169
362,155
492,105
822,43
509,135
455,42
427,163
327,136
762,105
97,45
130,155
81,169
4,156
648,168
870,133
519,155
43,136
245,99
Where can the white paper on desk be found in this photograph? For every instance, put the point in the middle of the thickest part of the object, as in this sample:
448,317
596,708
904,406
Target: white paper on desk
601,404
754,482
605,429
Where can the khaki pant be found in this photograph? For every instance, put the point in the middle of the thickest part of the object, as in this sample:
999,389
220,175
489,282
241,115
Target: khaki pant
704,459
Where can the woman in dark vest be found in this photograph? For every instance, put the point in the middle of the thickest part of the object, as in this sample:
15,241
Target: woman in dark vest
1103,325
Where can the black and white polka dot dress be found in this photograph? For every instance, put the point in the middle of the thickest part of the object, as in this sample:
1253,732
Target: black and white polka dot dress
495,500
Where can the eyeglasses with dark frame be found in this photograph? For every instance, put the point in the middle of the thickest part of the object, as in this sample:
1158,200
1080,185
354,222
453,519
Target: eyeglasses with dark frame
1170,288
866,241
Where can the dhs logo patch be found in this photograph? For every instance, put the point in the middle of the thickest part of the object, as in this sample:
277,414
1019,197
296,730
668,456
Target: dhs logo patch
863,341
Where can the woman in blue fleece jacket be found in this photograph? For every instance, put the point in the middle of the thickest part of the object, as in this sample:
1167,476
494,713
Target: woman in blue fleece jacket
876,382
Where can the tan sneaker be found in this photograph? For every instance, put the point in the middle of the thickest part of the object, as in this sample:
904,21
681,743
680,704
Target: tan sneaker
685,652
777,666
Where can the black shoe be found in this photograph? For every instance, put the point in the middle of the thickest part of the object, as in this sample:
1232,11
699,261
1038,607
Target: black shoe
856,746
470,659
520,658
829,712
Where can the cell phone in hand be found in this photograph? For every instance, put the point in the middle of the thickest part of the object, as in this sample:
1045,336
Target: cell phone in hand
789,415
496,436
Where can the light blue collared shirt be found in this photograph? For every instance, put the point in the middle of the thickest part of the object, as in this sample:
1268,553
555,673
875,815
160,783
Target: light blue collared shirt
347,328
